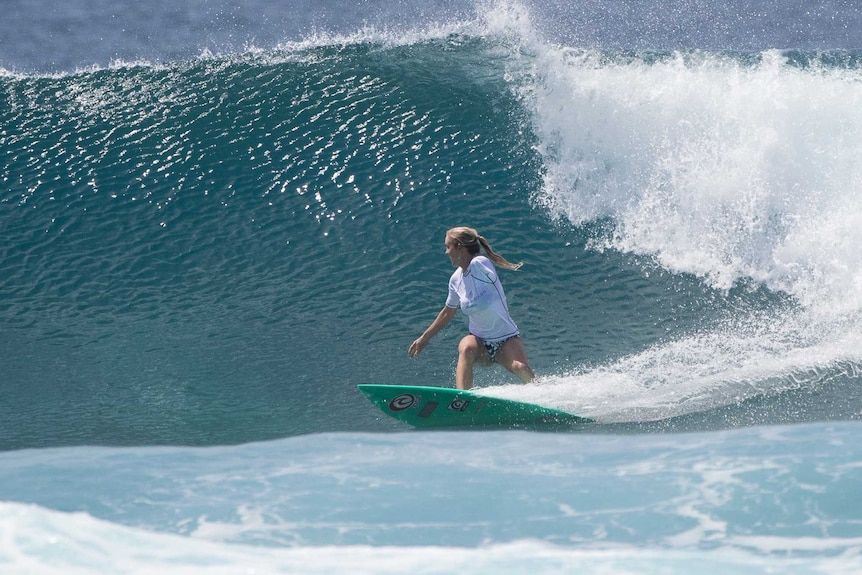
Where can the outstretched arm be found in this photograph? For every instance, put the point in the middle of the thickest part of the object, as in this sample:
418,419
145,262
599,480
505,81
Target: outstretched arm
446,314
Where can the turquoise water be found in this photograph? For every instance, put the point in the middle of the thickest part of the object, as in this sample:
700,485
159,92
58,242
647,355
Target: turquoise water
217,221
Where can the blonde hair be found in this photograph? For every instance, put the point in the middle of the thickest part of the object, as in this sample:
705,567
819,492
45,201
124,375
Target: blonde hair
470,239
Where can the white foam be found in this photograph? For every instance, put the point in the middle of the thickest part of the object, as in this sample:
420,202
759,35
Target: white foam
702,371
37,541
723,169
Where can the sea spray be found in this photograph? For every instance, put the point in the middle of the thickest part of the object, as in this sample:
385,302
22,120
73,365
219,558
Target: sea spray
726,167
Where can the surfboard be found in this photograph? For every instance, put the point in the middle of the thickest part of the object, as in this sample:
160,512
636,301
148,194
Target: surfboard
442,407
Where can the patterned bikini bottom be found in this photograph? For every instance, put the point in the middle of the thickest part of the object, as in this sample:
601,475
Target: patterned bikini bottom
494,346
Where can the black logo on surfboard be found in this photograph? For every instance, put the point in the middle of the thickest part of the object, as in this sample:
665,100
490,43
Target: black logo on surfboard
459,404
403,401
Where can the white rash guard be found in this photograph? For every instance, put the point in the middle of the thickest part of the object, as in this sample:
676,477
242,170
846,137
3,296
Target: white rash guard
479,294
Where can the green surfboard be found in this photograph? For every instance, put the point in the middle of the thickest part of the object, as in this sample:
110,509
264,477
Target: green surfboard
442,407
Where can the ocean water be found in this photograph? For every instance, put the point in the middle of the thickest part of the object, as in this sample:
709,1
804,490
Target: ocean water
217,220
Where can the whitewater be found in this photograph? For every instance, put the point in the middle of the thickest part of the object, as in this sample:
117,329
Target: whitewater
217,220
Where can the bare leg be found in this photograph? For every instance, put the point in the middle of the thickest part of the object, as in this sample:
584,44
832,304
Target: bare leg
470,352
513,357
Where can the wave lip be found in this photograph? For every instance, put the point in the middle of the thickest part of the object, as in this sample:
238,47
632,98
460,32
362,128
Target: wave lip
42,38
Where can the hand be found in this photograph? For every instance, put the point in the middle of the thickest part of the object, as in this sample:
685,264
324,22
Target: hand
417,346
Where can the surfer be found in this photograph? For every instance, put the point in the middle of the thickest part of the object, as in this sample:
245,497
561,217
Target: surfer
475,288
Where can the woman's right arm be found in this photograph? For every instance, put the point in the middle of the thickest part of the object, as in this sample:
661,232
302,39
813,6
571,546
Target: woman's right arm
443,318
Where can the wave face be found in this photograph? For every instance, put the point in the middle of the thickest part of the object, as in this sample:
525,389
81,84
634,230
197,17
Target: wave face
217,220
216,250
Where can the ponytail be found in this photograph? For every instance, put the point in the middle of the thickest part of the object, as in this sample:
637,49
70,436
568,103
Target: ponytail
470,239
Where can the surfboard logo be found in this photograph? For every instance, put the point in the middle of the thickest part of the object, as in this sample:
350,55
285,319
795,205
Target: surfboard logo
459,404
403,401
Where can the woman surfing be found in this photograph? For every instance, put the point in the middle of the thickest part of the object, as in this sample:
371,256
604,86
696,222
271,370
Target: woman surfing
475,288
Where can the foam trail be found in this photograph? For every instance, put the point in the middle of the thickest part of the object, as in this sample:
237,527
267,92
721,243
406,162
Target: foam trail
701,372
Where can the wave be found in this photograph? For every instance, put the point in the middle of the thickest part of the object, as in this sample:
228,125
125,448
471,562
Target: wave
184,232
519,500
96,550
48,543
732,167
